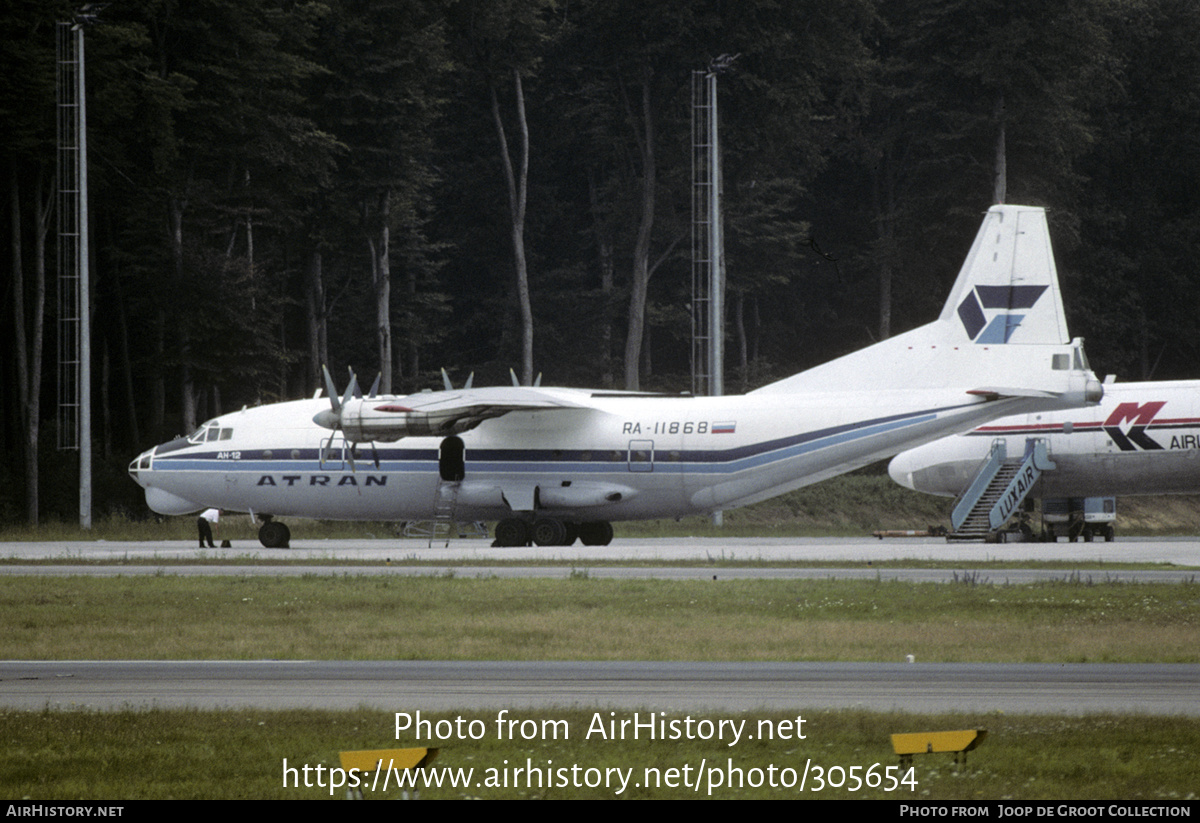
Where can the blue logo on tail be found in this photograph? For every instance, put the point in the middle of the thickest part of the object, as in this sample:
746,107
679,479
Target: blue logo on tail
984,300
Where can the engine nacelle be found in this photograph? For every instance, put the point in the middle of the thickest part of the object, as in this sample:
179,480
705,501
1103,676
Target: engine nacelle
365,421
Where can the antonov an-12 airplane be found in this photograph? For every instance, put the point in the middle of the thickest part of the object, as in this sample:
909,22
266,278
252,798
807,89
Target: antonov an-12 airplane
1143,438
553,465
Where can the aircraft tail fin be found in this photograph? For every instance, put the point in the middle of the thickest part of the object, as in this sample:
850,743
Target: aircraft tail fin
1003,314
1007,290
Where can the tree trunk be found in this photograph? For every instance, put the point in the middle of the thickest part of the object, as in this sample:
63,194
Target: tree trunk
884,197
381,273
517,183
604,250
1000,190
126,364
106,434
187,388
158,387
318,354
641,252
414,325
885,228
29,365
739,319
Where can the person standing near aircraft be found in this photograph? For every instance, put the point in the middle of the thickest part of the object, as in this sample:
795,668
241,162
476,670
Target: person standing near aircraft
205,522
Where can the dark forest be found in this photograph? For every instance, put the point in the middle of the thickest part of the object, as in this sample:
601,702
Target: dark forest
398,186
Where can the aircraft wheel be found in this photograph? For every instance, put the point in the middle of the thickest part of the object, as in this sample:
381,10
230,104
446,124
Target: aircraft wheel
274,535
1109,534
572,534
599,533
511,532
549,532
1087,534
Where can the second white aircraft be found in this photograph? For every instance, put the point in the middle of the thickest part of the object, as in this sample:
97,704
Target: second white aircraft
1143,439
554,465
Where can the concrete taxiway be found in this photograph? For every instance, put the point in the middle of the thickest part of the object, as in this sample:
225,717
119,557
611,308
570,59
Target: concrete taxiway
1182,551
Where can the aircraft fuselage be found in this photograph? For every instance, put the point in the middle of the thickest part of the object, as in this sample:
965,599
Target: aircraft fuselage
1144,438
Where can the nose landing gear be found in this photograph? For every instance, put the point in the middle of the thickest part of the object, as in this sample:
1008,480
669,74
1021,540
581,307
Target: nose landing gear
273,534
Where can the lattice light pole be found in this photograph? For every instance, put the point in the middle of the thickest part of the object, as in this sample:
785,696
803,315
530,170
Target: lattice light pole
74,321
708,242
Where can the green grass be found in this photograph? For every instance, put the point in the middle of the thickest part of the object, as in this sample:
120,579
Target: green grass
580,564
177,754
458,618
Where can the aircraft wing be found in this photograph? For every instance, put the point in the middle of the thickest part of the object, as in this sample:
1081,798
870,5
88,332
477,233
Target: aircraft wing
436,413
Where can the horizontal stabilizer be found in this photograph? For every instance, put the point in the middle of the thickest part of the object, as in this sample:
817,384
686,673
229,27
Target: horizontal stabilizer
995,393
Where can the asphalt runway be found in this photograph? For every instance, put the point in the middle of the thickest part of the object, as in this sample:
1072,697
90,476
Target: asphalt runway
407,686
402,686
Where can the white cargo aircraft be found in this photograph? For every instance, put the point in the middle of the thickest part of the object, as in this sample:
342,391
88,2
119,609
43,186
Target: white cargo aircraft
556,464
1144,438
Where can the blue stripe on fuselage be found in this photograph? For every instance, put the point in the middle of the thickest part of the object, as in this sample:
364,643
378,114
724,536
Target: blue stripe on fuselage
598,460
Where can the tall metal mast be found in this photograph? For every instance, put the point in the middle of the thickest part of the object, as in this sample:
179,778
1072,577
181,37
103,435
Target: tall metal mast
74,320
705,266
708,244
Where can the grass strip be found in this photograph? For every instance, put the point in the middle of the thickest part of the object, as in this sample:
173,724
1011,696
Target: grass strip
447,617
189,754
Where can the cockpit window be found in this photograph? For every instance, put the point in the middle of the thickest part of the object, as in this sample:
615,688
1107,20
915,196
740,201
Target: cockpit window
211,432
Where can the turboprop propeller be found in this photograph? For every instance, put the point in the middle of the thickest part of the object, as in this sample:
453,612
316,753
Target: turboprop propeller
450,386
517,382
332,418
426,413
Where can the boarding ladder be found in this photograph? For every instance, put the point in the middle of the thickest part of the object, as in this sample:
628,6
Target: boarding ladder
445,502
999,488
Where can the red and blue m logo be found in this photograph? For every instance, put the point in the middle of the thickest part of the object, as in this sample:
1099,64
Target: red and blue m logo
1140,416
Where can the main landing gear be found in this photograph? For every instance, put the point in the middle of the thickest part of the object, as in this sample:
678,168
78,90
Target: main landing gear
273,534
549,531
